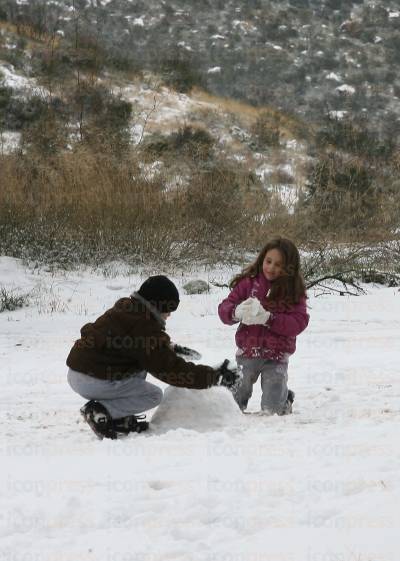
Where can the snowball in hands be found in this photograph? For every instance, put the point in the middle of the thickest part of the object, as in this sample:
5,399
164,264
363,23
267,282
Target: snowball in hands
251,312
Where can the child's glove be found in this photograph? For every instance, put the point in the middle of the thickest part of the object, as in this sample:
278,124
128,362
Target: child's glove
229,376
251,312
186,352
243,309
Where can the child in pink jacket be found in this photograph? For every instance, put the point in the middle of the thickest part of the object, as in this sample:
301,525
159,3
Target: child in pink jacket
268,300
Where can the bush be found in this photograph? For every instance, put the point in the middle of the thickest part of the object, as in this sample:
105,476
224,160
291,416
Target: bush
47,134
342,195
181,74
10,302
103,118
5,98
266,130
348,135
85,207
214,203
18,113
190,142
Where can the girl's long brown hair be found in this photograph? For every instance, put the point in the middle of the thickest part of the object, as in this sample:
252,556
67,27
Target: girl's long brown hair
287,289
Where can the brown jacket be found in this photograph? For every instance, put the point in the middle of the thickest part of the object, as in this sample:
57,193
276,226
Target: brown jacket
129,338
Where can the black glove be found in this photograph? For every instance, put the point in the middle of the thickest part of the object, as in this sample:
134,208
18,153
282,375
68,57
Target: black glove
229,376
185,352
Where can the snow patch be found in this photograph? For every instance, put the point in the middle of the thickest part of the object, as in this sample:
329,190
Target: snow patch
20,84
264,171
337,114
345,88
150,171
183,45
333,76
214,70
13,80
292,144
9,141
138,21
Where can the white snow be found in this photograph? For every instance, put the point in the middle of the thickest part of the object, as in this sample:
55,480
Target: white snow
345,88
264,171
198,411
137,133
9,141
214,70
205,483
338,114
292,144
333,76
160,108
393,15
151,170
12,79
20,84
184,45
287,168
138,21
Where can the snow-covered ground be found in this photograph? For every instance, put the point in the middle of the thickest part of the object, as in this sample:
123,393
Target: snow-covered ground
21,85
206,482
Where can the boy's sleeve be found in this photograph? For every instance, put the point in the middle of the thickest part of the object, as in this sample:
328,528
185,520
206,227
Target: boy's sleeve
227,307
290,323
161,361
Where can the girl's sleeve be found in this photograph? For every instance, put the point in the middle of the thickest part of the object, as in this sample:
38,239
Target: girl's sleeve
290,323
227,307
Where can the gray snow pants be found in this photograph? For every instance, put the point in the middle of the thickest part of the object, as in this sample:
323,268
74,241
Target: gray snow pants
273,383
130,396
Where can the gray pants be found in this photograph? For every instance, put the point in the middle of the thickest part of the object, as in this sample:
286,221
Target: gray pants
273,383
121,398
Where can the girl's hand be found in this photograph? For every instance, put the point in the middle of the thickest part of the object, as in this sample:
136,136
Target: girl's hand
251,312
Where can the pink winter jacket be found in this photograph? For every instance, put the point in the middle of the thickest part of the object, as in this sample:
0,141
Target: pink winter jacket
275,340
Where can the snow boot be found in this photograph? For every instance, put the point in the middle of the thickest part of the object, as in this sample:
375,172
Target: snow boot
132,423
99,419
289,403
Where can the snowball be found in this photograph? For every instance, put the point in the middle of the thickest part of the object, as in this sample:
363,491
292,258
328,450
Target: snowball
199,410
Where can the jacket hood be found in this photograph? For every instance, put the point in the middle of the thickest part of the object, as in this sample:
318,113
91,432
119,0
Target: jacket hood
152,309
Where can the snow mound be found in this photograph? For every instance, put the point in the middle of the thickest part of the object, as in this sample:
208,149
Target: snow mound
198,410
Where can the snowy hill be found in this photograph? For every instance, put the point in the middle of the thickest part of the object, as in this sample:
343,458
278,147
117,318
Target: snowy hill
302,56
205,483
160,111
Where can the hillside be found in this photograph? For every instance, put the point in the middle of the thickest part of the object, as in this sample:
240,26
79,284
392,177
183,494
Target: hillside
158,104
301,56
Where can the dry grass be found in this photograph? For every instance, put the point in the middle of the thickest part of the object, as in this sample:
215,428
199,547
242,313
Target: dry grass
27,31
87,207
82,207
247,114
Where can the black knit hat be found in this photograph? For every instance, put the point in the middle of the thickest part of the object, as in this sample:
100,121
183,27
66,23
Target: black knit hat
161,293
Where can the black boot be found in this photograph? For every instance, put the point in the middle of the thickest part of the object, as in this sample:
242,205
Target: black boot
132,423
99,419
289,403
